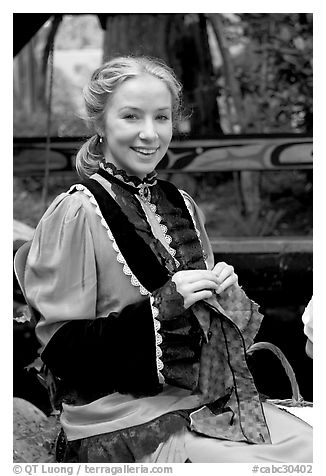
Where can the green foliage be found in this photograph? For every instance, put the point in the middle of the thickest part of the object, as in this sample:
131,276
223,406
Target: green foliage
82,32
79,32
286,205
274,70
272,58
65,119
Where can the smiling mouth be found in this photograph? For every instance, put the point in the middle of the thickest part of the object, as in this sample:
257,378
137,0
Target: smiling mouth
145,152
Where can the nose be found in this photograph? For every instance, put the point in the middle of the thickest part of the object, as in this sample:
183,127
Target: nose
148,131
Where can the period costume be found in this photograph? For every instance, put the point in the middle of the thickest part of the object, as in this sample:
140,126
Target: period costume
141,378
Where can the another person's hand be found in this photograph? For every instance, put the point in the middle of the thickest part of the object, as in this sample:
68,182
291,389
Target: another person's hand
307,319
225,275
195,285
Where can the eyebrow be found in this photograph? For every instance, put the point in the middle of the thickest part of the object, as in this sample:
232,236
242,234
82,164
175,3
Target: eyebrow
133,108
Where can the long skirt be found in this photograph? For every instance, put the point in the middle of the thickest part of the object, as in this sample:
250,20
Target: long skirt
291,443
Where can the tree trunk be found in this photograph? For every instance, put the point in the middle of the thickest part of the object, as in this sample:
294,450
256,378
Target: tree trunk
181,41
231,83
56,20
247,182
18,93
31,77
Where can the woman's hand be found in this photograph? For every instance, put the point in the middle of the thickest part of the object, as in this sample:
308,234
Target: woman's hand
225,275
195,285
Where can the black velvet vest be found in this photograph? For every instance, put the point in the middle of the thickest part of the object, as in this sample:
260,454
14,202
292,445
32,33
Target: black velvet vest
152,265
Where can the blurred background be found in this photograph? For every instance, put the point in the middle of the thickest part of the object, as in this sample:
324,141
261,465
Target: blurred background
243,150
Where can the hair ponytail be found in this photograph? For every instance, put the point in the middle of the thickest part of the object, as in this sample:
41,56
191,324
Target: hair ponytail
88,157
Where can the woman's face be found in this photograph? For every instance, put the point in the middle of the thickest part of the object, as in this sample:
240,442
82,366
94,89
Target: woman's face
138,125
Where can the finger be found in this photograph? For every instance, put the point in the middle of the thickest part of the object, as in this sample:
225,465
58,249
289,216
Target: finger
202,284
219,267
233,279
225,273
188,289
191,276
195,297
201,274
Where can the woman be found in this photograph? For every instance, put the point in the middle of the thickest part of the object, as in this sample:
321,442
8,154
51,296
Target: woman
145,336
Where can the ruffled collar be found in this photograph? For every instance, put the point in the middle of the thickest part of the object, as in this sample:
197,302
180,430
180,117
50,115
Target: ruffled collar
131,180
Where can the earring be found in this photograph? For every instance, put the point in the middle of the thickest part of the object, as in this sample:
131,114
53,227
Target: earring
100,140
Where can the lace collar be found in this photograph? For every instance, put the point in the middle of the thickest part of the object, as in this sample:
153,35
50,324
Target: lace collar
131,180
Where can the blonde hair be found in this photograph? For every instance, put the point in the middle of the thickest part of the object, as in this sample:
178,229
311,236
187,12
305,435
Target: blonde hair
103,83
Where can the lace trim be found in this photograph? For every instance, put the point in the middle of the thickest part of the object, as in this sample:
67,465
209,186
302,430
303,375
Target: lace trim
158,341
127,271
133,180
133,279
164,229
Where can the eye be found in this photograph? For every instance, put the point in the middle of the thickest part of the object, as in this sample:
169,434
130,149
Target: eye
163,117
130,117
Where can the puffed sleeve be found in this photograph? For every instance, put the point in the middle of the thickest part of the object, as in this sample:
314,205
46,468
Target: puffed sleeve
60,275
86,352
